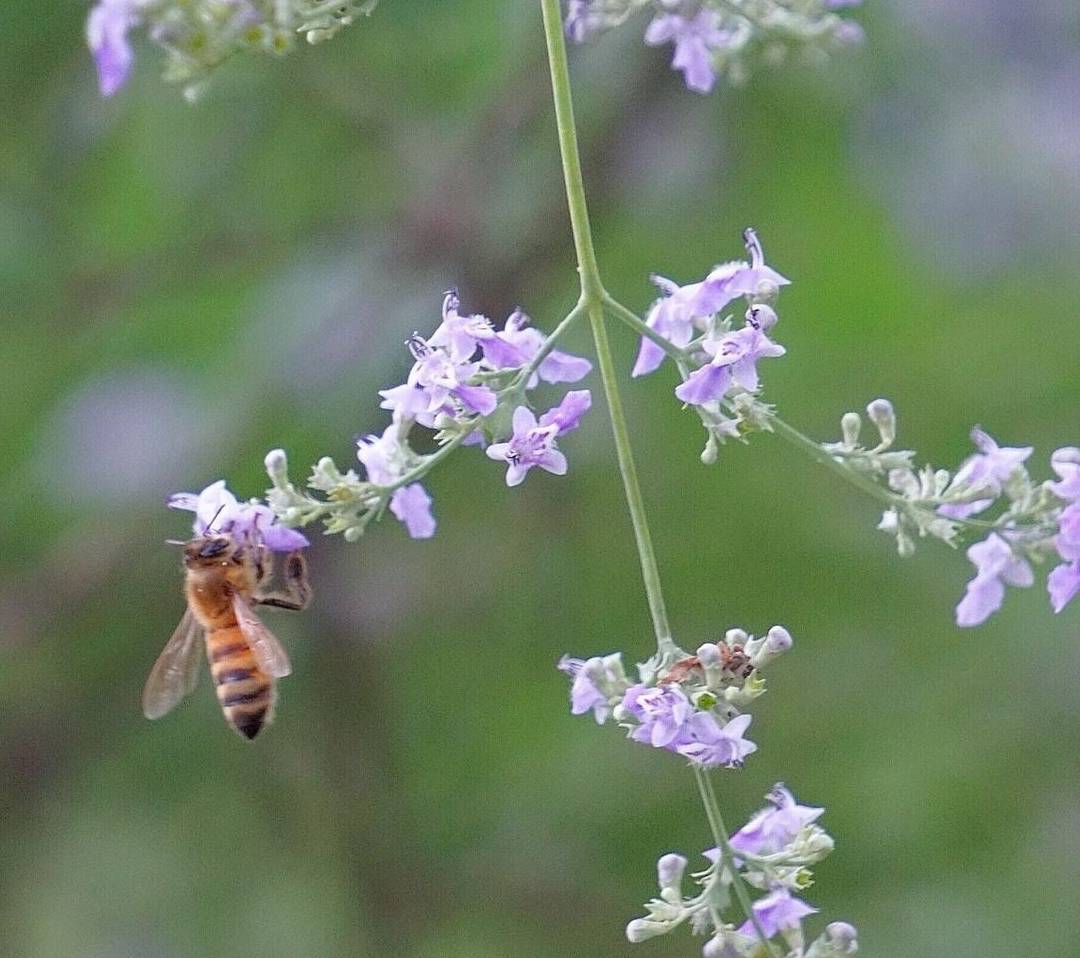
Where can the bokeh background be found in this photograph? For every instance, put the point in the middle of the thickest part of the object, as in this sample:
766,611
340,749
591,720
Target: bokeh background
185,287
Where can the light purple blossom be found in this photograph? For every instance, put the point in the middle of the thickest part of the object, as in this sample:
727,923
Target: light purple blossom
774,828
583,21
995,565
695,38
517,343
217,511
672,317
730,280
989,469
1066,463
460,335
1063,582
734,363
107,29
533,442
586,695
713,744
777,912
385,460
662,714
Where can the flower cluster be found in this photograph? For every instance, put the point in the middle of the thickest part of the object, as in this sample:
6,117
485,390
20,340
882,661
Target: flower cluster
717,361
1023,522
716,38
468,384
217,511
687,704
198,35
772,853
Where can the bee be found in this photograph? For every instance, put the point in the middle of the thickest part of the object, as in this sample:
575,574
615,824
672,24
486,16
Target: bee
224,582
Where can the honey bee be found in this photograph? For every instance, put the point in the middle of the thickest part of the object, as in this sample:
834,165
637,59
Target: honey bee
223,584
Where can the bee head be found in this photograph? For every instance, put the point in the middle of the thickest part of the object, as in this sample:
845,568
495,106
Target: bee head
209,548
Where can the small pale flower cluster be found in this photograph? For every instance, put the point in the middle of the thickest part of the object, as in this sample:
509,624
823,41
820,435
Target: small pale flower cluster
718,361
468,384
713,38
687,704
217,511
198,35
772,852
1024,522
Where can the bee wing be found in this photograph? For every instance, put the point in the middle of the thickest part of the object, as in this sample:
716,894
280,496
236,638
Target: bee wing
269,653
176,670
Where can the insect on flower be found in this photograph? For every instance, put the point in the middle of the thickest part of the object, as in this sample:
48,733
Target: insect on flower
226,578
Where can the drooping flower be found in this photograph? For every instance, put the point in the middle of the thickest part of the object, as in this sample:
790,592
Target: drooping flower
714,744
533,442
217,511
775,827
995,565
1066,463
695,38
777,912
107,29
989,469
734,363
672,317
595,682
517,343
1063,582
386,459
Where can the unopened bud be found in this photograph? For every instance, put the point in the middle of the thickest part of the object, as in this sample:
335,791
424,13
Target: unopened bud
710,453
277,467
736,636
669,871
883,416
851,426
709,655
761,317
641,929
843,937
777,641
353,533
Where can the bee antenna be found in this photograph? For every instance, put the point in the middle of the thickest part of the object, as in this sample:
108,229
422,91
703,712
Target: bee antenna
210,524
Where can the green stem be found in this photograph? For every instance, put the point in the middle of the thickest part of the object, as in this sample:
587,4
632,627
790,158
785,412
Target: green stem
592,301
426,465
720,836
631,319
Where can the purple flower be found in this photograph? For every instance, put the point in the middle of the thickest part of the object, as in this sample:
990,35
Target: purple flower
533,442
695,38
460,335
776,912
1063,582
217,511
713,744
662,714
734,363
107,29
582,21
586,694
517,343
385,460
995,565
434,380
774,828
1066,463
672,317
989,469
730,280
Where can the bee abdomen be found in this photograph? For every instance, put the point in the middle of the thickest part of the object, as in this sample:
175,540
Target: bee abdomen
245,692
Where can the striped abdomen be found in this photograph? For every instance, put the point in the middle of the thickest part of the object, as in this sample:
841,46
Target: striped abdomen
245,692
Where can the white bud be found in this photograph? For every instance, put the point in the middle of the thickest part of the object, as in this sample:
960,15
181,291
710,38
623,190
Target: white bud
277,466
890,521
669,870
709,655
353,533
851,426
761,316
843,937
710,453
776,642
736,636
883,416
641,929
766,291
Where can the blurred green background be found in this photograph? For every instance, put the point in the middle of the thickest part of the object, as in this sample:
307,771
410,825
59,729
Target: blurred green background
187,287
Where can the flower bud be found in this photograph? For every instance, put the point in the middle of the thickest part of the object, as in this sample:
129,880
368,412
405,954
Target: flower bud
736,636
851,426
669,871
843,937
709,655
777,641
710,453
641,929
766,292
761,317
277,467
882,415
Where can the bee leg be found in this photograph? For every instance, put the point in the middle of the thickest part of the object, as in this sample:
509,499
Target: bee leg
297,592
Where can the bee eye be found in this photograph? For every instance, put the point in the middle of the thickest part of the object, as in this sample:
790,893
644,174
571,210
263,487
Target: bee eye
213,547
